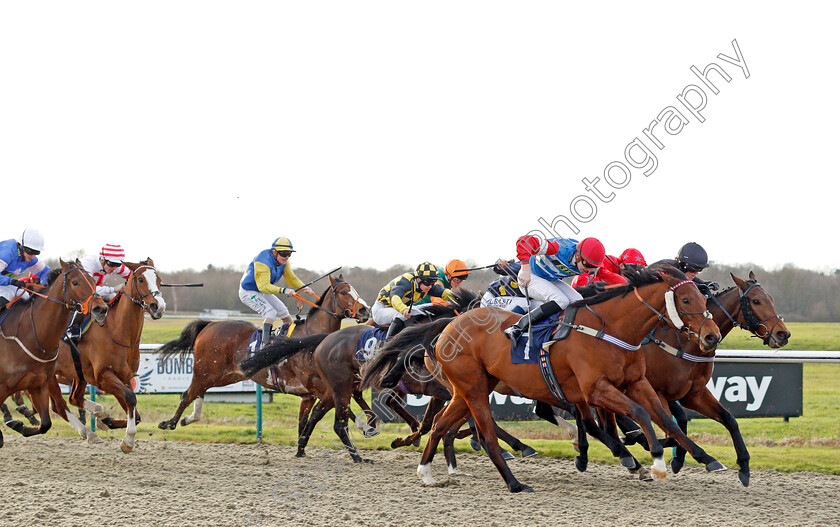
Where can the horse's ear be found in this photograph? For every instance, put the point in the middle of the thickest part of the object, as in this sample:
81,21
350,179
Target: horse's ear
332,280
78,262
149,261
742,285
341,276
752,277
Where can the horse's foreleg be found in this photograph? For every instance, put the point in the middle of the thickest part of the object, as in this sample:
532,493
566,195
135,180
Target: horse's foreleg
456,410
602,394
368,424
341,399
110,383
514,443
29,413
306,404
705,403
194,393
642,392
41,401
449,445
61,409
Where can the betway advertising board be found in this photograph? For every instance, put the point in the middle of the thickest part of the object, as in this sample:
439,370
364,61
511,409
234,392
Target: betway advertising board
745,389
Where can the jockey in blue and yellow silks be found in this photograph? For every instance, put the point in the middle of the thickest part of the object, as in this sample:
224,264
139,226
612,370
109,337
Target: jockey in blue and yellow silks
19,260
258,285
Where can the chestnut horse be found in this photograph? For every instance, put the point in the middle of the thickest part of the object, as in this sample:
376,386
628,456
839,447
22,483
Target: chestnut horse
599,364
30,335
679,370
110,354
221,346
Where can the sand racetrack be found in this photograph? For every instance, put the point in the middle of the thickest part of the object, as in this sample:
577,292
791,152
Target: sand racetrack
64,482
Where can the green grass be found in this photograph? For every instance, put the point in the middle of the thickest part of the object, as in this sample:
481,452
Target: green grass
806,443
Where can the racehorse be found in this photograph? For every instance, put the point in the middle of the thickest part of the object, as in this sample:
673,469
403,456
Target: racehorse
679,370
221,346
110,354
30,334
601,367
339,369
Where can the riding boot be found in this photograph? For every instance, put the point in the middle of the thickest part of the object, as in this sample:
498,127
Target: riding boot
74,328
396,326
266,334
538,314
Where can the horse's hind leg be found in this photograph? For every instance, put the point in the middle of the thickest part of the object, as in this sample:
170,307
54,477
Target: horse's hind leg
515,443
321,408
341,399
306,404
29,413
454,412
368,424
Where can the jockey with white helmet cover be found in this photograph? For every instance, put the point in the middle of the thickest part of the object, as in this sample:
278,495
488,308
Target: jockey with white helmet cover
19,263
100,266
108,262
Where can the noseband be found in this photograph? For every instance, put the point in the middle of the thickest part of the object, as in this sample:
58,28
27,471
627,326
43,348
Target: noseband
141,301
752,322
675,311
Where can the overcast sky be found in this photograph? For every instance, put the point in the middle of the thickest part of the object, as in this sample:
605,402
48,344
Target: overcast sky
382,133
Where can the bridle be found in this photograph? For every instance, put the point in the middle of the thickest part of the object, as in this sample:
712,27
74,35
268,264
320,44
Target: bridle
141,300
674,313
751,320
348,312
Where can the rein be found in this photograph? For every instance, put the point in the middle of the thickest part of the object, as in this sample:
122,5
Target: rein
752,322
82,306
674,311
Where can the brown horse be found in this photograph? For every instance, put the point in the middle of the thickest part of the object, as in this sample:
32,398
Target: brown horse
30,335
110,354
338,370
599,363
221,346
679,370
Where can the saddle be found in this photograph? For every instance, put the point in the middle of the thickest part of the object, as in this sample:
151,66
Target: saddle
542,333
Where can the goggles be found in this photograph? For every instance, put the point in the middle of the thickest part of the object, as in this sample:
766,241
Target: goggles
31,252
284,254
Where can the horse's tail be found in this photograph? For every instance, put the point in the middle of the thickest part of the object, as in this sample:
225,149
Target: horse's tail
185,343
408,347
281,348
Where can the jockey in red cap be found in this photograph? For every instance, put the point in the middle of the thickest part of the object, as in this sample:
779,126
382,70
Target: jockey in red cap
550,261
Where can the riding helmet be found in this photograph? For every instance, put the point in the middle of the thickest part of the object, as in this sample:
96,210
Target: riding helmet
426,270
592,251
32,239
693,257
456,268
282,244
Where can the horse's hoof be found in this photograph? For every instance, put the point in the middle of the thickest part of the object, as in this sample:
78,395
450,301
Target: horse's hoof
676,465
371,432
507,456
164,425
716,466
183,422
521,488
300,453
644,475
100,424
576,446
395,443
581,463
659,474
125,447
628,462
94,439
529,452
416,442
743,476
475,444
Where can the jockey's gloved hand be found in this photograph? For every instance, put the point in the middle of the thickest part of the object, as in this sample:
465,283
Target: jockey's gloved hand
17,283
714,286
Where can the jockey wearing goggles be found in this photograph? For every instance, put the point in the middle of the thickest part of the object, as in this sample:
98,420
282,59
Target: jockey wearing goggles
692,259
396,301
18,257
450,277
544,265
258,285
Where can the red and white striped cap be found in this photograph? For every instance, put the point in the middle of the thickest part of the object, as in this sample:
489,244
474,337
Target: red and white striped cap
112,253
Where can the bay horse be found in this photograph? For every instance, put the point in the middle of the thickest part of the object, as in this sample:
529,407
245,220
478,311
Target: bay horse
30,334
679,370
110,353
219,347
338,369
599,363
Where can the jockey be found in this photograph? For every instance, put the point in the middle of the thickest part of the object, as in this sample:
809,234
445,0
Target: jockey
551,261
390,307
258,285
100,266
17,256
631,259
450,277
504,292
691,260
604,273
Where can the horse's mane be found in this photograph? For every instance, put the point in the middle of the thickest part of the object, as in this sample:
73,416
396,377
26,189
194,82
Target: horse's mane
318,303
635,278
53,275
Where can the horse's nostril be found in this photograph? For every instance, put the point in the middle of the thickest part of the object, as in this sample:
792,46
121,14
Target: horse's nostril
154,306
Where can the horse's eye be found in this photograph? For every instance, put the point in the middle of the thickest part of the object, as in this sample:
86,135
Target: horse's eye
141,280
756,301
75,283
686,300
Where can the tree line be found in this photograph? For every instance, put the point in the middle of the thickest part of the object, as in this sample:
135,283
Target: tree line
801,295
